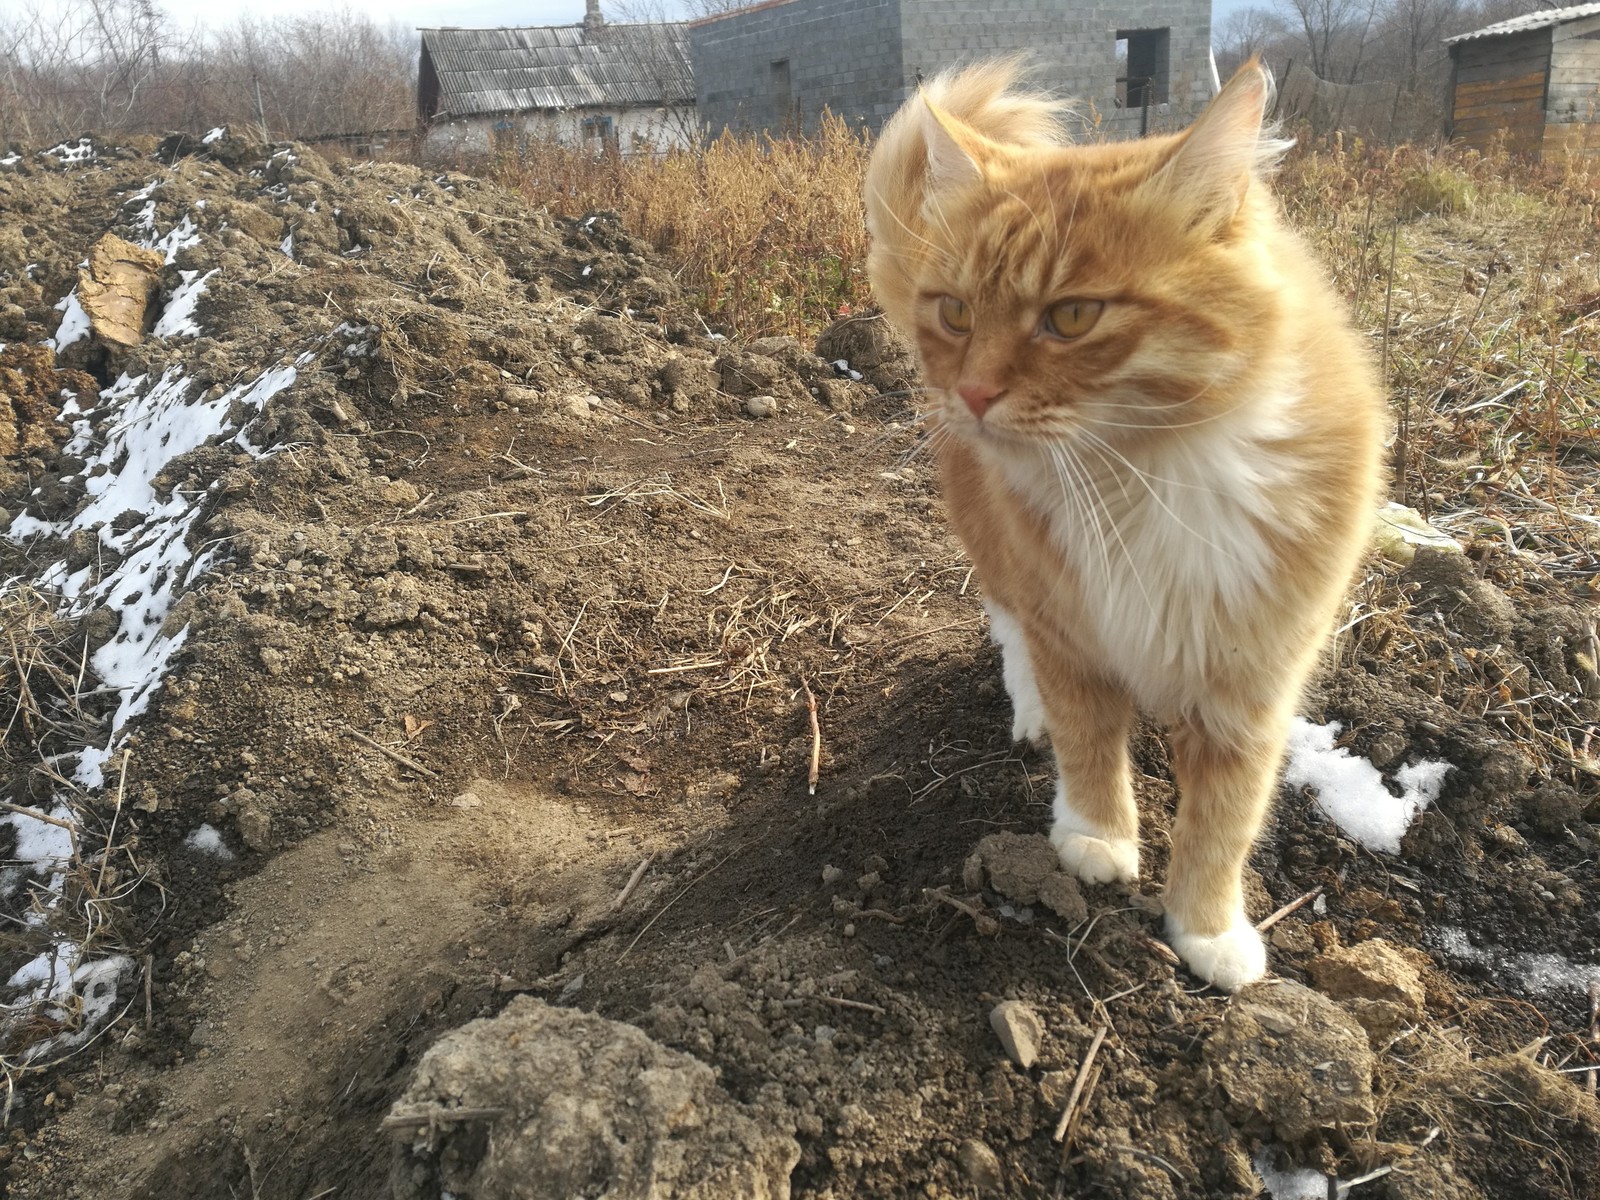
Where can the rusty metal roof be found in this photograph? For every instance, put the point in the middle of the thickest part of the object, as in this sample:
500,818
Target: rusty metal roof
1528,22
560,66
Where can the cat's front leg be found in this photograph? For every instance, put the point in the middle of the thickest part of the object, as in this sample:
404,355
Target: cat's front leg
1224,788
1016,671
1095,826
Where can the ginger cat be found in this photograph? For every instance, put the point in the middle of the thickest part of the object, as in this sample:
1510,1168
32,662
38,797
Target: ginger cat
1159,438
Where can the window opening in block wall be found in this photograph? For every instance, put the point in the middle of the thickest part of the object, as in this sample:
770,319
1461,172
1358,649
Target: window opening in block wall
1142,67
782,91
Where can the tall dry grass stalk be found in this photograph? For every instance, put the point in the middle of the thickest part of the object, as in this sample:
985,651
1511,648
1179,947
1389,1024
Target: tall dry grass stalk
767,235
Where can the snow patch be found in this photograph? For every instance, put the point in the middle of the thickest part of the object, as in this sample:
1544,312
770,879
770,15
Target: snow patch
215,134
207,840
1543,973
69,153
74,325
177,320
1290,1185
1350,790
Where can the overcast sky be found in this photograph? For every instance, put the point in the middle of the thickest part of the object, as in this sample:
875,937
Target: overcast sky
468,13
424,13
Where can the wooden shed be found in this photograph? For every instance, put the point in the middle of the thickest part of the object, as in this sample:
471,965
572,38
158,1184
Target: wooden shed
1531,83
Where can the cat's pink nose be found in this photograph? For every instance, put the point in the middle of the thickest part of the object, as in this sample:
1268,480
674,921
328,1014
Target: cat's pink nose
978,397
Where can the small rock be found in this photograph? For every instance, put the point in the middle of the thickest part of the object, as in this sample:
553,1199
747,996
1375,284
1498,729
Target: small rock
981,1166
255,826
1375,981
467,800
1020,1031
1386,749
761,407
831,875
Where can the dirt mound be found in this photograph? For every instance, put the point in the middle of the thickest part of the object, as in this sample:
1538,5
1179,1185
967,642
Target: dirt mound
542,1101
453,594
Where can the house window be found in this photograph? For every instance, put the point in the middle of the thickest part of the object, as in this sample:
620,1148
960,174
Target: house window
782,91
1142,59
599,132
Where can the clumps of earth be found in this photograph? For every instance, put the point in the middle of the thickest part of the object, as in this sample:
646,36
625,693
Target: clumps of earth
467,846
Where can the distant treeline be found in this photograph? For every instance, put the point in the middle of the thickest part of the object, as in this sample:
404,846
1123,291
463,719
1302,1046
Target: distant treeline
122,66
1364,41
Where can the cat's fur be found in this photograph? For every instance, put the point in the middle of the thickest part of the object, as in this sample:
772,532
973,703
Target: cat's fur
1165,511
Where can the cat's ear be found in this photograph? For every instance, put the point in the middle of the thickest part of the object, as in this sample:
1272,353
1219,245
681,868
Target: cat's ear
956,153
1218,155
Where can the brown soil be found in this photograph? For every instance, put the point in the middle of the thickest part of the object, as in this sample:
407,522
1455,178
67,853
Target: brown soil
520,530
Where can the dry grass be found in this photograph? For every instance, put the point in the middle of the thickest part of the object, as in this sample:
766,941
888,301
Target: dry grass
54,711
767,235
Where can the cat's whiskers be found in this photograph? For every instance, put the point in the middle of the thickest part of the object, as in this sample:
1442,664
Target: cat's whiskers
1101,449
1102,519
1072,493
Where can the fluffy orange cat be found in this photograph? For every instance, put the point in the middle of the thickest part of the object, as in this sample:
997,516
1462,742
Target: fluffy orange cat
1159,437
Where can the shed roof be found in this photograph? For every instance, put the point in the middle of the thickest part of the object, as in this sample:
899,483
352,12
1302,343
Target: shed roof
1528,22
560,66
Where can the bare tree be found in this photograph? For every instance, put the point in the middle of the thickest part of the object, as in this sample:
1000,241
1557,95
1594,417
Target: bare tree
1245,33
1335,32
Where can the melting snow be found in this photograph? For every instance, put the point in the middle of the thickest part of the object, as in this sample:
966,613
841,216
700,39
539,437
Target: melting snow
1290,1185
178,318
216,133
57,979
74,323
81,151
126,438
1350,790
287,245
207,840
1547,973
148,427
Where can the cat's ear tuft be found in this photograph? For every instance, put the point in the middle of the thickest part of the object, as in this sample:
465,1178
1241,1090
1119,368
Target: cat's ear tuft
955,151
1222,151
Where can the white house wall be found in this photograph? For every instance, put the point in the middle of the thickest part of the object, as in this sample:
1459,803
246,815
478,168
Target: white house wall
636,129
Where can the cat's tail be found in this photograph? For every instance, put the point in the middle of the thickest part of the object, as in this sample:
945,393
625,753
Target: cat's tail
987,99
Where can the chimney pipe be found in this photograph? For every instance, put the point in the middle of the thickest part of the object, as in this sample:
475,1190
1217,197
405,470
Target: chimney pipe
593,22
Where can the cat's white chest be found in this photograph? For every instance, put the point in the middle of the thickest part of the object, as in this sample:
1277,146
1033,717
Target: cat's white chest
1168,552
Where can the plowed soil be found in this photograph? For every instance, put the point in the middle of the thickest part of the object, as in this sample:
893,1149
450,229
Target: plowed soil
521,607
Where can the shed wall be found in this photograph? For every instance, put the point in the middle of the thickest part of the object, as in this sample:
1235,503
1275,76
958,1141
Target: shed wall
1498,90
1574,93
636,130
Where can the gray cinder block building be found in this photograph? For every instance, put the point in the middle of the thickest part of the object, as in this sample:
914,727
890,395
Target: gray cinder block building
1129,65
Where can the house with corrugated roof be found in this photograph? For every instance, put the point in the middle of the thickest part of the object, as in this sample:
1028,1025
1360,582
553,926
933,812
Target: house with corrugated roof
1530,84
613,87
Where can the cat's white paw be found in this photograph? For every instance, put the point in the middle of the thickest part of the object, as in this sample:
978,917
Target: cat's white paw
1097,860
1084,849
1016,672
1027,721
1227,960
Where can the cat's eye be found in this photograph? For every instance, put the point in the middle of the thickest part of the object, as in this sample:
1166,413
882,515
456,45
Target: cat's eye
955,314
1072,318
